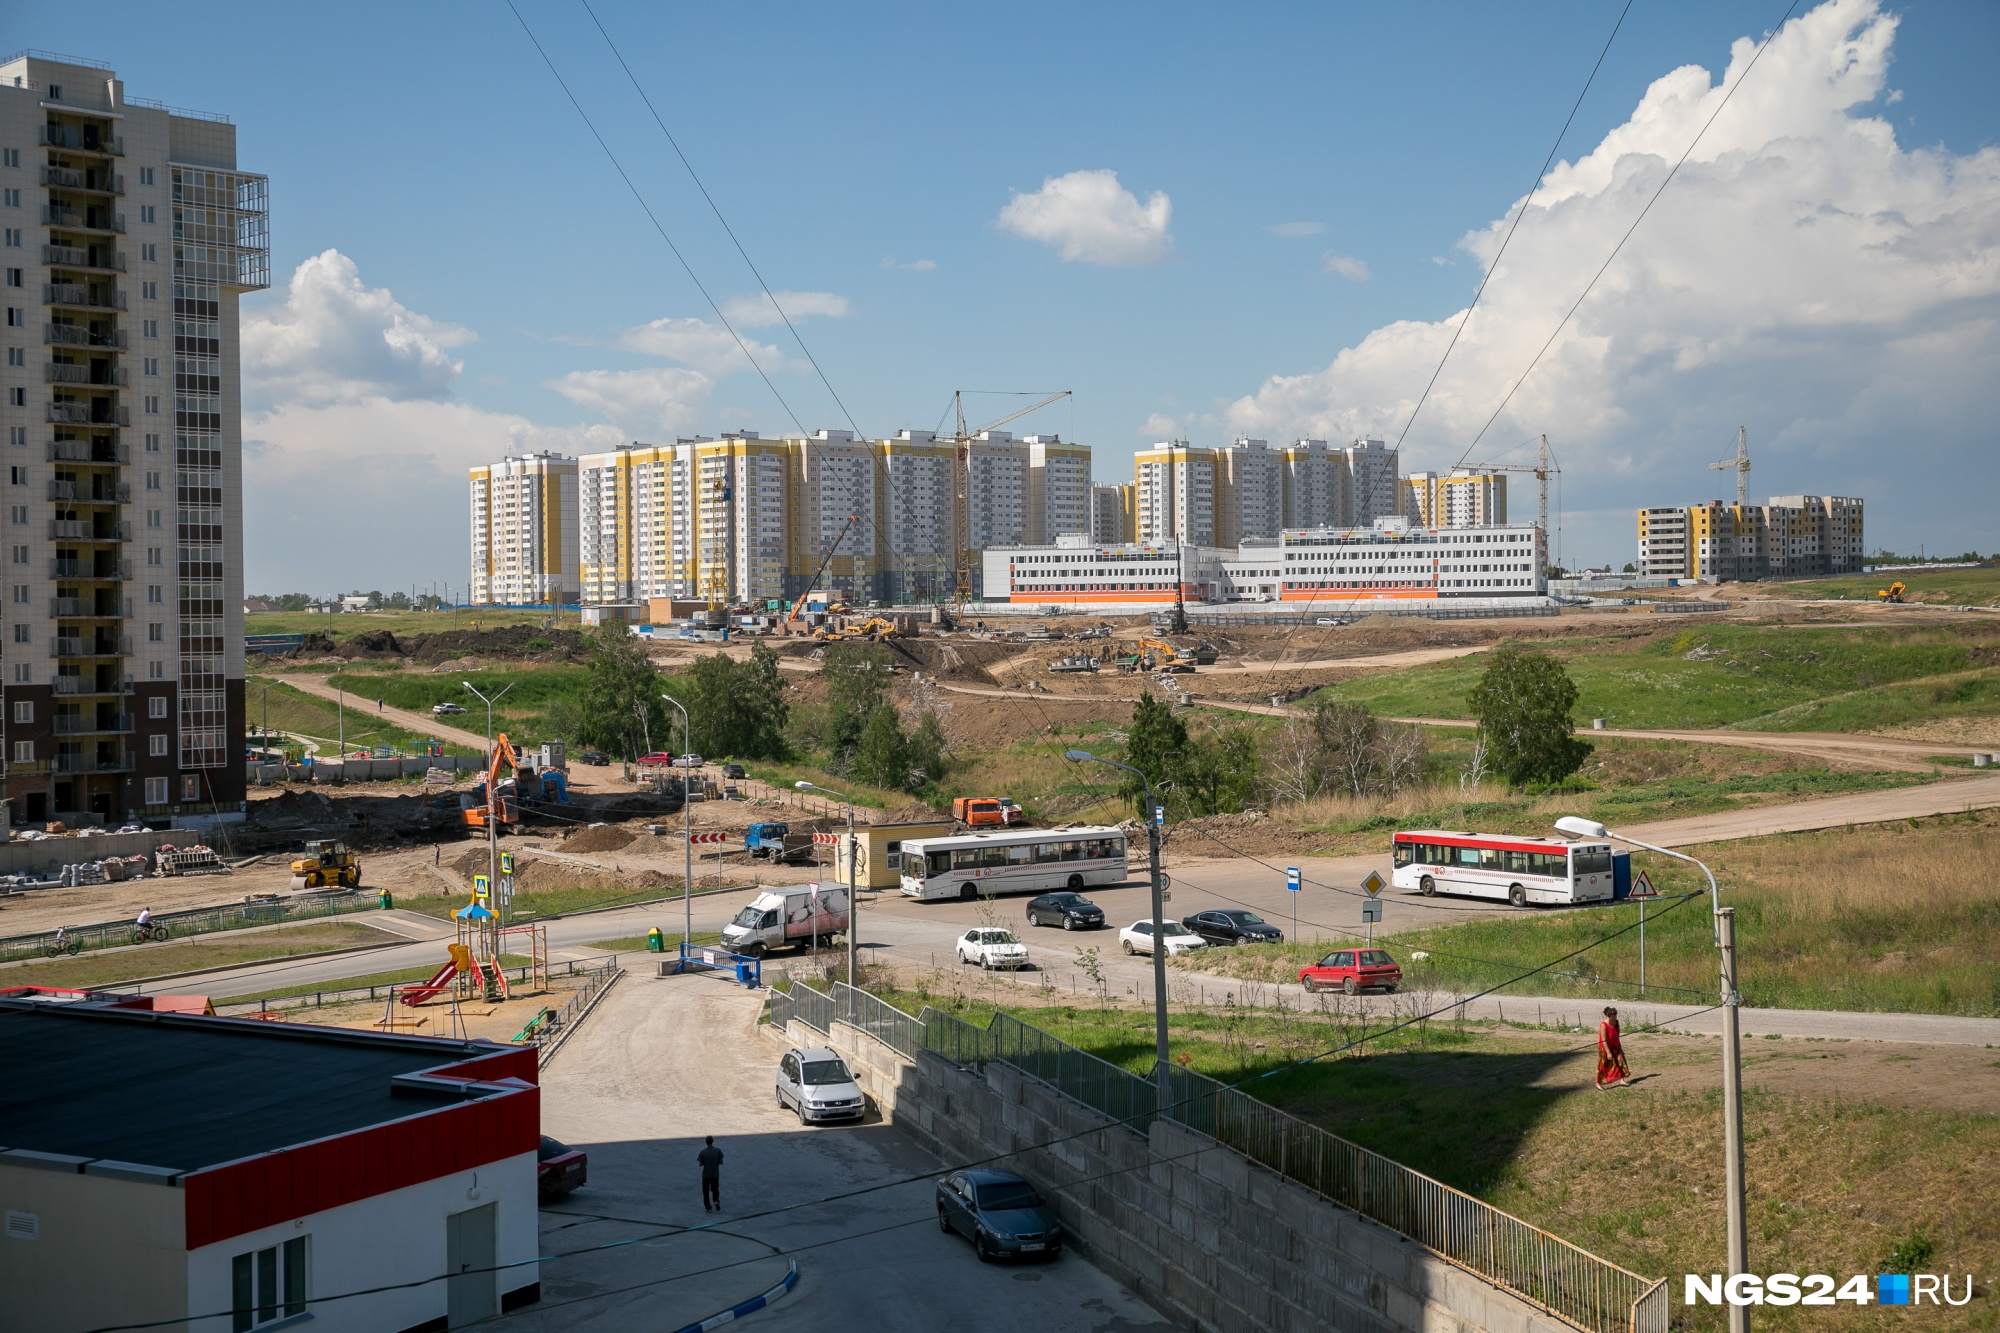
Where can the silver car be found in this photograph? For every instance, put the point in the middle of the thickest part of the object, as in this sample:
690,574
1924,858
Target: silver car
817,1084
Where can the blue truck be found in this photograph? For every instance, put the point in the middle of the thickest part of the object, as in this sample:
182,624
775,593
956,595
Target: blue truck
776,842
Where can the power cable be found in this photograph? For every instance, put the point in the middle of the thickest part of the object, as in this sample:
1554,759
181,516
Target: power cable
1494,267
651,217
1762,47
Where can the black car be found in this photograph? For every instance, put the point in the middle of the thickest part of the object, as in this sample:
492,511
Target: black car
1071,911
733,771
1000,1212
595,757
1233,926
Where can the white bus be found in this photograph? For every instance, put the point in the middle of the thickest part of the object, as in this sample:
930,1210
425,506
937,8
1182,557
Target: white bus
1498,865
981,865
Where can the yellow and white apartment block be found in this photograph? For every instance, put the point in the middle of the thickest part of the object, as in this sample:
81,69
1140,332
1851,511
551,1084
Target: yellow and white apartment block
1058,499
1793,536
914,493
833,499
1175,486
524,532
1455,500
1315,485
1249,493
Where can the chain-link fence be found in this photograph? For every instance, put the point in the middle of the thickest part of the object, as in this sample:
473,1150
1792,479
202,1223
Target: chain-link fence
200,921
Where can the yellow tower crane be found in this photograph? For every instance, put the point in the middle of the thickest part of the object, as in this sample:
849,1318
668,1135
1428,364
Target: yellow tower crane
962,485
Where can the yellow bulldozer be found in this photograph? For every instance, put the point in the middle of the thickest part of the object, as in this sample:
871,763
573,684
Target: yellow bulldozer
327,861
1892,593
875,627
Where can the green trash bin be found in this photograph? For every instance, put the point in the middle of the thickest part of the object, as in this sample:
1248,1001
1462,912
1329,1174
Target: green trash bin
655,942
387,901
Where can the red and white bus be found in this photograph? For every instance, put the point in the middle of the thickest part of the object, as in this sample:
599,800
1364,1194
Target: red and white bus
1498,865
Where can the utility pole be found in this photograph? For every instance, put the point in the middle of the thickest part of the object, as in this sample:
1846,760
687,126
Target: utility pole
1732,1109
687,827
1153,812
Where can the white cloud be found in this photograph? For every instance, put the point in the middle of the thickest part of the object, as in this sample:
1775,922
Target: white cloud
756,312
1160,426
1347,266
1089,217
663,400
335,340
1804,275
696,342
915,265
1296,228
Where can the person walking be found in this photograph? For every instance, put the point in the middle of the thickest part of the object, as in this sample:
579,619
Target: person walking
1611,1067
710,1158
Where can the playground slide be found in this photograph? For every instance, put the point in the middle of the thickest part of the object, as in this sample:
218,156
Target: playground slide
460,957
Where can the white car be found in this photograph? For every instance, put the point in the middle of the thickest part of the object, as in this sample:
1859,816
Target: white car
990,947
690,761
447,709
817,1083
1138,938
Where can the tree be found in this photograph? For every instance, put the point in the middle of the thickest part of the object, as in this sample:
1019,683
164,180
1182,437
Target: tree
1348,736
1523,704
1154,746
857,683
1217,773
930,752
735,708
621,710
882,756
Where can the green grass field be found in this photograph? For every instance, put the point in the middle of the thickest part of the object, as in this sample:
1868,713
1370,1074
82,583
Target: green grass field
193,955
1950,587
398,623
294,711
1707,676
522,710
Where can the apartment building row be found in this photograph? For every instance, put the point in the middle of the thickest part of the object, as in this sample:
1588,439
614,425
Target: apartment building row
1247,491
127,235
1390,559
745,518
1792,536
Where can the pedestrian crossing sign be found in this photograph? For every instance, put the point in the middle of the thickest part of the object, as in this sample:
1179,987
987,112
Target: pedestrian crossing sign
506,863
1374,884
481,889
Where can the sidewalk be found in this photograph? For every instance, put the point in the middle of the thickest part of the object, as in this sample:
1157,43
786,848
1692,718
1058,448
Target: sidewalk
1830,1024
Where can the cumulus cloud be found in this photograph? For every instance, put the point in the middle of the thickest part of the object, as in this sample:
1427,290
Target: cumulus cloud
337,340
665,400
696,342
1347,266
1296,228
1160,426
1088,217
756,312
1804,275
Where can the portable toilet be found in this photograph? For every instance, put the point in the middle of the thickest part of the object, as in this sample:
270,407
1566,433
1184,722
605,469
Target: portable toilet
1621,876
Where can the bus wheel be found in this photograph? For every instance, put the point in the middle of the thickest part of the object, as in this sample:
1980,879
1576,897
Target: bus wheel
1517,895
1075,882
966,893
1429,886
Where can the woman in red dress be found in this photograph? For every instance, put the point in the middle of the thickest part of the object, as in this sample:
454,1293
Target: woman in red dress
1611,1067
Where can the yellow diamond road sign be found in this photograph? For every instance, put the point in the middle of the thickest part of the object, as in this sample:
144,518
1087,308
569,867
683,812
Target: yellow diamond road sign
1374,883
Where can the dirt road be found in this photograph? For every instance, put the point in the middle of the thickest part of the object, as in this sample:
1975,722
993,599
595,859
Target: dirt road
424,724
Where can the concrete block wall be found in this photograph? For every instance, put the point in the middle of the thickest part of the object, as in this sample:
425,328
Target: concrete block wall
1211,1239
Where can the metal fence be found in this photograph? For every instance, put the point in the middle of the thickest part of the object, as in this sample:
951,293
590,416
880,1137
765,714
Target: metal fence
1587,1291
551,1034
201,921
1347,613
313,999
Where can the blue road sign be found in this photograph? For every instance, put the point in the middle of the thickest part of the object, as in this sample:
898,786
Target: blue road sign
1292,878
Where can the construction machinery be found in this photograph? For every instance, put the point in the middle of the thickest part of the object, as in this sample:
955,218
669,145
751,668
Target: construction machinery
327,861
487,798
875,628
792,617
1074,662
1740,465
961,443
1541,469
1159,655
1892,593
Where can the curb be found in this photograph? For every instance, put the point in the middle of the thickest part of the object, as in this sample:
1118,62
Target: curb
751,1306
548,1053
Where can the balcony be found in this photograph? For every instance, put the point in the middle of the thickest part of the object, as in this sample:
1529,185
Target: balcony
82,138
87,451
94,179
86,726
97,413
76,335
119,494
87,530
104,645
82,219
81,685
76,256
109,572
87,608
106,377
88,763
77,293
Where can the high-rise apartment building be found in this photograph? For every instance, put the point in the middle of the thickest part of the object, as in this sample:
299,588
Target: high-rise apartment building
1058,488
1111,515
1315,485
833,499
914,490
1175,486
1249,493
1794,536
996,491
1372,473
127,235
1457,500
525,545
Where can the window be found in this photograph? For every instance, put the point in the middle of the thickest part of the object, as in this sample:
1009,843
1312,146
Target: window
21,593
17,356
153,404
152,555
145,175
17,476
14,278
156,791
17,397
155,633
149,252
147,213
23,674
18,436
17,318
152,444
24,710
156,706
157,745
149,291
152,481
24,752
267,1284
17,513
153,594
158,670
10,157
152,518
12,198
20,555
190,786
149,328
152,364
22,632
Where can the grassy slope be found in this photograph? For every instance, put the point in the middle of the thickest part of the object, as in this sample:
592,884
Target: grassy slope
293,710
534,689
1951,587
396,622
191,955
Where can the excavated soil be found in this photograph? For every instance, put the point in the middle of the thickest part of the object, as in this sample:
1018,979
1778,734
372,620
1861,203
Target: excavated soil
610,838
506,643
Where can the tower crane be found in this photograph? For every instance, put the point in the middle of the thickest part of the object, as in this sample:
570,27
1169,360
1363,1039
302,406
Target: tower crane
715,536
1543,468
962,485
1740,465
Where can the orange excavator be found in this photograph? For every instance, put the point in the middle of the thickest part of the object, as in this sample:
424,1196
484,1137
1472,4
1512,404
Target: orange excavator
473,805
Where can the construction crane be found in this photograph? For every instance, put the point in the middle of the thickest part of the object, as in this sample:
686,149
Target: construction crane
715,568
799,605
1740,465
962,485
1543,468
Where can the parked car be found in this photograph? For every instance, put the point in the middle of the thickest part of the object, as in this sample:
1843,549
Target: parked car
596,758
1011,812
1002,1215
1329,620
690,761
1353,971
734,771
1071,911
817,1084
447,710
1233,926
658,759
992,948
559,1169
1138,938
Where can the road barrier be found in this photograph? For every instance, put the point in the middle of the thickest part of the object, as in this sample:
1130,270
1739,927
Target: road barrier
1590,1292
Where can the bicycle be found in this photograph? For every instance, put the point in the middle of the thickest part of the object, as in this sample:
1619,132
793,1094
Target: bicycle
152,930
63,944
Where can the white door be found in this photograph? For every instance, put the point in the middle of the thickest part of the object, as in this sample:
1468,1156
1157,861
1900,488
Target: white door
469,1259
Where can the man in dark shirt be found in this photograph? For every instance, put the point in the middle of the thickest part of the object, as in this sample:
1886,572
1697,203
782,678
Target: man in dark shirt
710,1158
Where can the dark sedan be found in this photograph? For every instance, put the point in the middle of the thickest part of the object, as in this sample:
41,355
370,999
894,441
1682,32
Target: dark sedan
1071,911
1000,1212
1233,926
559,1169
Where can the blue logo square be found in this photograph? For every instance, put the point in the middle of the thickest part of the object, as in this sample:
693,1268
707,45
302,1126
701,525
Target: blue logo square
1892,1289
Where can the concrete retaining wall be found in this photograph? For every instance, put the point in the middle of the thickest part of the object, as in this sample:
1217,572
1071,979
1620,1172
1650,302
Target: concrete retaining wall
1210,1239
43,855
362,770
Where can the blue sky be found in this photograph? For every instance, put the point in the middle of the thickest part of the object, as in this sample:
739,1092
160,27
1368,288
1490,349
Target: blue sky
491,283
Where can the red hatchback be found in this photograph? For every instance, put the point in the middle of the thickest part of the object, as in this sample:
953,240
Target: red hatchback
1353,971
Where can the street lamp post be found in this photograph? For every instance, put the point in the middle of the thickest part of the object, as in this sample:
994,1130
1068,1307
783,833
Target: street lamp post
492,802
853,903
687,826
1159,918
1732,1053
